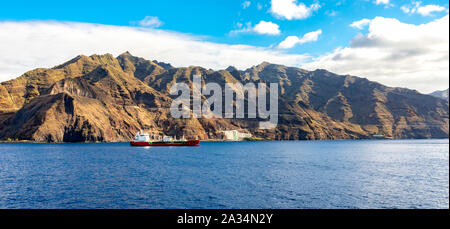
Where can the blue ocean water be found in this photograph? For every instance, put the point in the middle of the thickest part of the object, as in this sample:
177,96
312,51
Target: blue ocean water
273,174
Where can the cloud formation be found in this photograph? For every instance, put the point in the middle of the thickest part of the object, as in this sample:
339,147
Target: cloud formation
267,27
27,45
246,4
360,24
396,54
291,41
391,52
290,9
426,10
150,21
385,2
263,27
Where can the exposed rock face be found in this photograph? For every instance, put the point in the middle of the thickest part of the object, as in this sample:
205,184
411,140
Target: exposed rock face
440,94
102,98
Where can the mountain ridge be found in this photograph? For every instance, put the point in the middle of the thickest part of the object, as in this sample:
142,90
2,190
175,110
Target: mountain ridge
440,94
107,98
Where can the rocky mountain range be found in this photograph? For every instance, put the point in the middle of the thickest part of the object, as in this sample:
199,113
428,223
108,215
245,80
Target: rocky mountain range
440,94
103,98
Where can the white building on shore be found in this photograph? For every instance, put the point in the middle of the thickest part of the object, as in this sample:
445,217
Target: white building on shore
234,135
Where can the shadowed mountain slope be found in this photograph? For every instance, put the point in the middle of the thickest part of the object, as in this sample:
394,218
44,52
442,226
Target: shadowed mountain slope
102,98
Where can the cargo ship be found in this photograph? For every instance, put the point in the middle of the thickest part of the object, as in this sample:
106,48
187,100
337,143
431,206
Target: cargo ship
143,139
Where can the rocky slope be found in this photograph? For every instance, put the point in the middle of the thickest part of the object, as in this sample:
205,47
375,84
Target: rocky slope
440,94
102,98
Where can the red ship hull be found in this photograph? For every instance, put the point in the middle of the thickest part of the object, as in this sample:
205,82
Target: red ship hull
174,143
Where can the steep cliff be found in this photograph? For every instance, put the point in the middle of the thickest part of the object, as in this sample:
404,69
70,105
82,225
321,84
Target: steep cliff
102,98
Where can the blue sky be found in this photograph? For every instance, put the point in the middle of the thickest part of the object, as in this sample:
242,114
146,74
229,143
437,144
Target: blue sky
215,21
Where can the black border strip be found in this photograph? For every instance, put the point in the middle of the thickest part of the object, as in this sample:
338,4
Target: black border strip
280,216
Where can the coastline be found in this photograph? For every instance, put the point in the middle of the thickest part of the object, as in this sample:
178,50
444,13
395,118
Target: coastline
222,140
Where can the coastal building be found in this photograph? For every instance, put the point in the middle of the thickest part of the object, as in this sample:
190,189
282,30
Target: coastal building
234,135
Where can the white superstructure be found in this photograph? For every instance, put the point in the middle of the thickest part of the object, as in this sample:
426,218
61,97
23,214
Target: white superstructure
235,135
142,137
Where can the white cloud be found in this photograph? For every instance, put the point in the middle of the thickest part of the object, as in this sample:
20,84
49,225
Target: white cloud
259,6
28,45
150,21
263,27
290,9
246,4
396,54
291,41
405,9
360,24
426,10
385,2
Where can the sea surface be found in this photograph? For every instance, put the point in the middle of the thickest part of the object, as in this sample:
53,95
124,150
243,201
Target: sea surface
272,174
